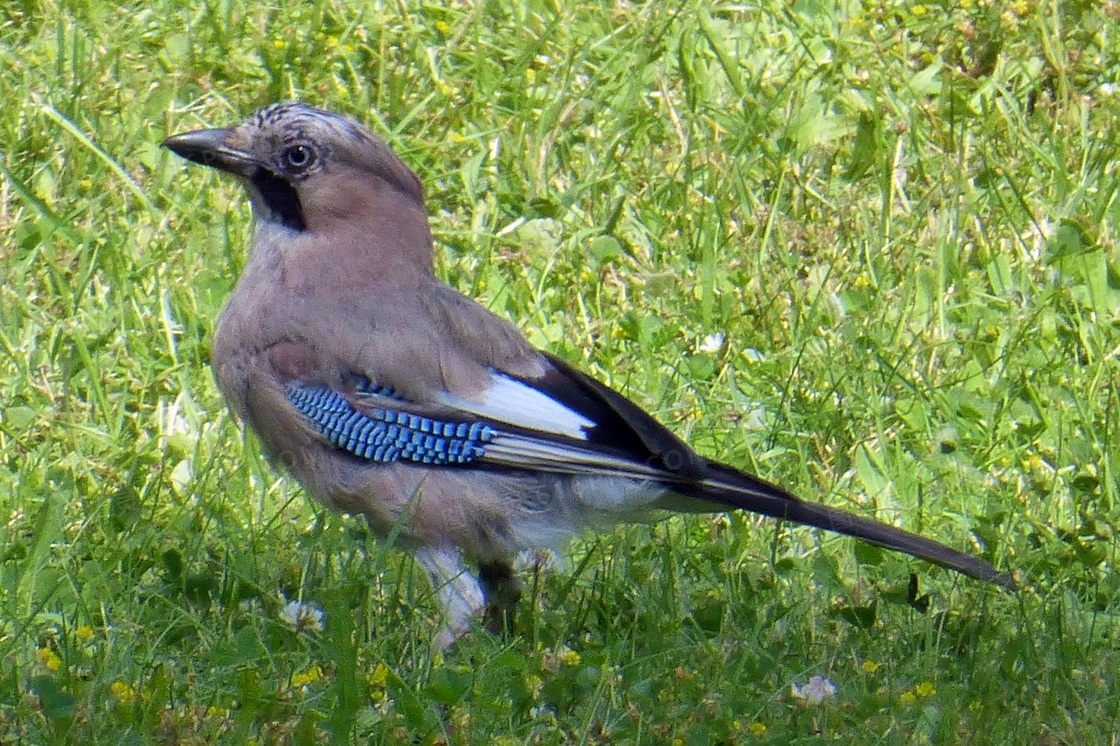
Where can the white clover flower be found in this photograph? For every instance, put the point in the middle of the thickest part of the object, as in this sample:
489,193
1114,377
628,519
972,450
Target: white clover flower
814,693
712,343
249,605
543,560
302,617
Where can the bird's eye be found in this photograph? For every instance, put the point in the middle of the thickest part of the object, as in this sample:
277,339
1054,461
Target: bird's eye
299,157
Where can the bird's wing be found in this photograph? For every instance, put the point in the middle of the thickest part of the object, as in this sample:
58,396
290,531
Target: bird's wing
567,423
562,421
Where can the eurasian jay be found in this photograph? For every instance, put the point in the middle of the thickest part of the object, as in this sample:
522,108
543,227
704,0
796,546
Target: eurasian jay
390,395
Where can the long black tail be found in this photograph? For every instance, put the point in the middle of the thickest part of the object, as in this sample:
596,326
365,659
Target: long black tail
729,487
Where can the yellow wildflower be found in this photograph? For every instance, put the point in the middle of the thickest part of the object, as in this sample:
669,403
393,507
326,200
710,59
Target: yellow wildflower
567,656
533,684
310,676
376,680
49,659
121,692
378,676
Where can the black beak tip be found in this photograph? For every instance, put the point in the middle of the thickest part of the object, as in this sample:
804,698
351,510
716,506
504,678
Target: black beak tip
206,147
173,143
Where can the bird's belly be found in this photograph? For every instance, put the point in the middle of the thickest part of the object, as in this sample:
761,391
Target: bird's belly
585,503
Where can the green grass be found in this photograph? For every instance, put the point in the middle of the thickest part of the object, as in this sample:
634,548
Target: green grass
901,218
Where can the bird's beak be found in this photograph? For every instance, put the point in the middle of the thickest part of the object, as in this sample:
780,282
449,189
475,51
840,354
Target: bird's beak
209,148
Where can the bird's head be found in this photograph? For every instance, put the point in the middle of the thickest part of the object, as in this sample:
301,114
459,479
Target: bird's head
304,167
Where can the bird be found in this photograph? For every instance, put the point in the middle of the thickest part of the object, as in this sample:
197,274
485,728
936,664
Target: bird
387,394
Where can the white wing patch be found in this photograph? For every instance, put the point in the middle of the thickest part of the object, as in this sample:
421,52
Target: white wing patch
519,404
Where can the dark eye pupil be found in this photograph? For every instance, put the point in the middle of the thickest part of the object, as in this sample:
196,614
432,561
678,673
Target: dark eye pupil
298,156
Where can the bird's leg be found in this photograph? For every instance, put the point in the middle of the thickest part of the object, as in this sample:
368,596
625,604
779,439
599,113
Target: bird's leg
502,591
459,593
